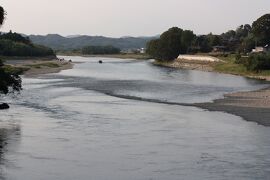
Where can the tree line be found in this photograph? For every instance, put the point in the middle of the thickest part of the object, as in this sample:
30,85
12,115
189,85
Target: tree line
177,41
14,44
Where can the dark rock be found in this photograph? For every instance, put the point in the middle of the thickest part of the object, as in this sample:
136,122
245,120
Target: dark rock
100,61
4,106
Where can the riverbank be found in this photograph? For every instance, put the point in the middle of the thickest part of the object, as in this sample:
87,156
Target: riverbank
33,67
224,65
252,106
188,64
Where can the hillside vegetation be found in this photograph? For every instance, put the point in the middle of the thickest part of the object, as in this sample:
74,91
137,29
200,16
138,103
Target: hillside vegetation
58,42
14,44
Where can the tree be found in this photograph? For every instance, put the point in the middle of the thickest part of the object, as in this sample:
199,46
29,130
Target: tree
153,48
247,44
261,29
2,15
187,40
168,46
202,44
7,79
243,31
171,43
214,40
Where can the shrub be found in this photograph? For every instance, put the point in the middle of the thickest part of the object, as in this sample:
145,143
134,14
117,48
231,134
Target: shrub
258,62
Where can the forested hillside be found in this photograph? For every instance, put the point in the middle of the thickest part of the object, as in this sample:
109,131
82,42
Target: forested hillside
58,42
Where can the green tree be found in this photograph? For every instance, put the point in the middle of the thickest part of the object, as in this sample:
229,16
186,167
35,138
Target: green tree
261,29
214,40
7,79
202,44
243,31
187,40
171,43
153,48
2,15
247,44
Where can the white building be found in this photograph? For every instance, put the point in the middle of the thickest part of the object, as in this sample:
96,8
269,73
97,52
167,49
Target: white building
260,49
142,50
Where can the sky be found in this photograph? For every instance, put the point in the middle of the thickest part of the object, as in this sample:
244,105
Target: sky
117,18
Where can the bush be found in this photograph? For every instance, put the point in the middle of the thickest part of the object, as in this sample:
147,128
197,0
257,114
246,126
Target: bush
237,58
240,60
258,62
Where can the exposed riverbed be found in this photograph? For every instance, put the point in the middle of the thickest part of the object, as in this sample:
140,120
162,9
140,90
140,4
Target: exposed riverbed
123,119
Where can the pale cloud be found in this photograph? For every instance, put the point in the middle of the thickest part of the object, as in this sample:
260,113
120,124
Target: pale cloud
129,17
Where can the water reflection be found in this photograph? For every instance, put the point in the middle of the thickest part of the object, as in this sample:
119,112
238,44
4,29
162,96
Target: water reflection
9,139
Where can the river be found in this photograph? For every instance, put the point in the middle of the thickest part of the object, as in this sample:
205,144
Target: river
124,119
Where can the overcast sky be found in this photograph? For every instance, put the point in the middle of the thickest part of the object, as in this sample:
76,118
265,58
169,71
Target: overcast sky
117,18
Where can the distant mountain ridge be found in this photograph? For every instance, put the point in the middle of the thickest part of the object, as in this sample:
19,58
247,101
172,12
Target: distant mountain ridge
58,42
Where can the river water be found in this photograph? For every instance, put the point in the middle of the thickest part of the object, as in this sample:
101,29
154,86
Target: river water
123,119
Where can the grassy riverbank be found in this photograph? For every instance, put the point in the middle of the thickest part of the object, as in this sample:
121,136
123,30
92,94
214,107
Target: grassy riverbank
226,65
229,66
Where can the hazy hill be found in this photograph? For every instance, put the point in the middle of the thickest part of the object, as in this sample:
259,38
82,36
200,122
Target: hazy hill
58,42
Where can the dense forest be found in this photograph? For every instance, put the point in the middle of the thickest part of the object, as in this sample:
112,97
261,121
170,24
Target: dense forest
14,44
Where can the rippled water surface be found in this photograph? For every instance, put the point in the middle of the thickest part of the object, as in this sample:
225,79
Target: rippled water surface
123,119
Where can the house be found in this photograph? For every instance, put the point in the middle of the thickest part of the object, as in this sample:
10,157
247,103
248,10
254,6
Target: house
260,49
142,50
219,48
267,48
